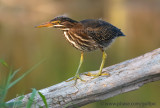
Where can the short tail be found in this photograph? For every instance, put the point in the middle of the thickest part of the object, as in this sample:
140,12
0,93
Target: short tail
121,33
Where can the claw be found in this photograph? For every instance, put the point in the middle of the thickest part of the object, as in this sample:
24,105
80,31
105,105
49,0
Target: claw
101,67
96,75
76,78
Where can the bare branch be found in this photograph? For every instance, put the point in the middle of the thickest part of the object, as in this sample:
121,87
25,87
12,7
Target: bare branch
126,76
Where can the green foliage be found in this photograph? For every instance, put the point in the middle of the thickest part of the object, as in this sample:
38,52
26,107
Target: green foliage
44,99
31,99
3,63
8,83
17,103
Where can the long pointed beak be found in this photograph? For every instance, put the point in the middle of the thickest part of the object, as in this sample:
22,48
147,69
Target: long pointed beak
48,24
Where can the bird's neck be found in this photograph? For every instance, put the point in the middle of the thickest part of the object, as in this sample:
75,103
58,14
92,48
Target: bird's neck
76,25
65,29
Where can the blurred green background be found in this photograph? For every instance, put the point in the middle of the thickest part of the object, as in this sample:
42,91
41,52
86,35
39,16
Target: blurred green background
22,45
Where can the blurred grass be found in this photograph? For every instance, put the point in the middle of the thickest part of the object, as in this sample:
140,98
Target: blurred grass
8,82
22,45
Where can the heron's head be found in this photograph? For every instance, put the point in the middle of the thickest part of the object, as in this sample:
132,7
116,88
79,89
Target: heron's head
61,22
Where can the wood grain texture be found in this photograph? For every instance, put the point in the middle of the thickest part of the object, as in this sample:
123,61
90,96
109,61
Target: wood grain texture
124,77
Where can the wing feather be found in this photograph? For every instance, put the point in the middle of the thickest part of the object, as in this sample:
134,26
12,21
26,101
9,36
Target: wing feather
100,31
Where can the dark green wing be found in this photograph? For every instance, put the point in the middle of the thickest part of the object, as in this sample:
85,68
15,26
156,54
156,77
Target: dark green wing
100,31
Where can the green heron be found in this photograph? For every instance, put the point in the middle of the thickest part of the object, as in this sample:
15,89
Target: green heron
86,35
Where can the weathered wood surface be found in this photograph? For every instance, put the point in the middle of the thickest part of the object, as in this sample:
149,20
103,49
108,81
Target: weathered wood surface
124,77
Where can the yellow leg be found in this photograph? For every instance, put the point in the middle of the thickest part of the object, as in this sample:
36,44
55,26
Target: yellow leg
101,67
77,73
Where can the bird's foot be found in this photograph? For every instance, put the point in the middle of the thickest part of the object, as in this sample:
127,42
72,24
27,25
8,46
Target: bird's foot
97,75
76,77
